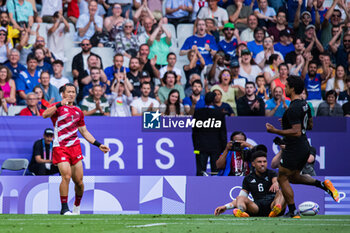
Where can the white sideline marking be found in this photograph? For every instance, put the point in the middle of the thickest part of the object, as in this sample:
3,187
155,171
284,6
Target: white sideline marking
150,225
173,219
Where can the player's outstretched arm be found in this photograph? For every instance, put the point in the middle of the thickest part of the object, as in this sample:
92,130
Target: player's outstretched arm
87,135
295,131
51,110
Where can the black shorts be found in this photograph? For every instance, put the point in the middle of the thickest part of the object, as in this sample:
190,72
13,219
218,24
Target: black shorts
295,156
264,206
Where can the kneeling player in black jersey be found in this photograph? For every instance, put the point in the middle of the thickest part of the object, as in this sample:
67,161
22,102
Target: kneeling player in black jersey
295,121
262,184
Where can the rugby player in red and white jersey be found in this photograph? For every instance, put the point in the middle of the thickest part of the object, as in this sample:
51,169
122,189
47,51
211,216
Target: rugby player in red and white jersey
67,120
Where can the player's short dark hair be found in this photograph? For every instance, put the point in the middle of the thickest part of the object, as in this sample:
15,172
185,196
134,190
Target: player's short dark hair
238,133
297,83
283,64
257,154
145,83
64,87
169,54
198,82
57,62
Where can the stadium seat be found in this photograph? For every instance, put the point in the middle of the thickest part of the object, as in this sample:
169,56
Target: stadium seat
183,32
14,110
68,63
15,165
172,30
163,7
106,55
42,32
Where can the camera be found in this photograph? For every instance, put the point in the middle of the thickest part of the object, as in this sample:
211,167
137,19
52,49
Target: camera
236,146
278,141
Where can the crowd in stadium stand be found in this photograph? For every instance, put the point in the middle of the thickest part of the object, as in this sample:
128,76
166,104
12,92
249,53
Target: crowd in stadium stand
130,56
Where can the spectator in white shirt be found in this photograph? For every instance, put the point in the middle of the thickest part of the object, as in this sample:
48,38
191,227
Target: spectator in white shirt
143,103
57,79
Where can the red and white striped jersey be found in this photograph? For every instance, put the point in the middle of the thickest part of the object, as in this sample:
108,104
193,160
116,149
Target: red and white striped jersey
66,121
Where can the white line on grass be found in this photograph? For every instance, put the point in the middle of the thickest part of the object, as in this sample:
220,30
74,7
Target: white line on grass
150,225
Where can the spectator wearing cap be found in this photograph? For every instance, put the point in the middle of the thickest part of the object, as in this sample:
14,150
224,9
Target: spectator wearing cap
211,25
21,14
89,24
41,162
247,34
285,45
214,11
202,41
196,99
248,68
213,70
208,142
144,77
256,46
239,13
95,104
171,60
330,107
27,80
301,21
312,44
178,11
238,81
230,41
332,18
57,79
5,45
12,33
169,80
117,67
32,106
281,24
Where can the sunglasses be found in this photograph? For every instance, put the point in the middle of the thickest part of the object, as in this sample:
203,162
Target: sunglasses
229,29
2,34
40,41
128,26
85,44
226,75
338,16
117,7
346,40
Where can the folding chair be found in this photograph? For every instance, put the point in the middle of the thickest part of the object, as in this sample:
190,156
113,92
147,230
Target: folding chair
15,165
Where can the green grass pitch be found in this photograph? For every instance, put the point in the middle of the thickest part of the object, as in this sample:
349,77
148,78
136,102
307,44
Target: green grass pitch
171,223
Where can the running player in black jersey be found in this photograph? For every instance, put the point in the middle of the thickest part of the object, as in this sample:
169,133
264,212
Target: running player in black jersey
263,186
295,121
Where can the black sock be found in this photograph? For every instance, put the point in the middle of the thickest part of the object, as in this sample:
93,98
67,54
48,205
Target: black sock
291,208
64,206
320,185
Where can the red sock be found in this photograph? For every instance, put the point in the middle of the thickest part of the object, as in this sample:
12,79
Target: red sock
64,199
77,200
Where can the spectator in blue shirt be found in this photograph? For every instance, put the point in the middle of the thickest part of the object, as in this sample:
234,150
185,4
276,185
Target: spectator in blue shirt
196,100
50,92
231,40
12,63
285,44
117,66
204,42
42,65
178,11
27,80
277,105
256,46
312,79
265,14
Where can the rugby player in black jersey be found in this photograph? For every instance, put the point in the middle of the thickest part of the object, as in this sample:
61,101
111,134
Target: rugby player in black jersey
295,121
263,186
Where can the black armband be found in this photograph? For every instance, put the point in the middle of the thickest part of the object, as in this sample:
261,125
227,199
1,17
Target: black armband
58,105
96,143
